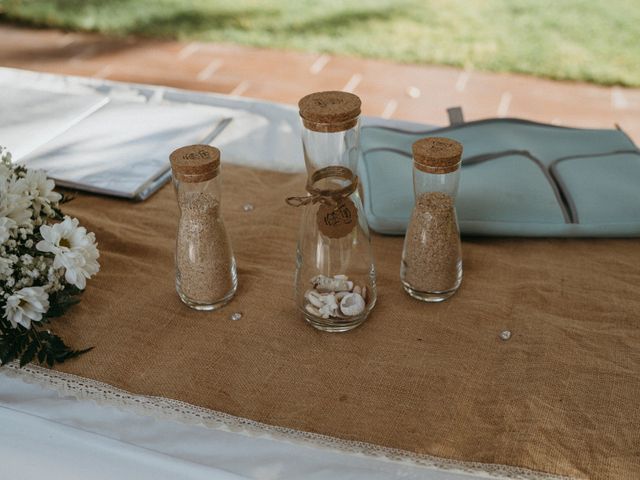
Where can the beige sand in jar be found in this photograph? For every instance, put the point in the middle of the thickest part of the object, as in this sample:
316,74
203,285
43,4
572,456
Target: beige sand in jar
204,260
432,254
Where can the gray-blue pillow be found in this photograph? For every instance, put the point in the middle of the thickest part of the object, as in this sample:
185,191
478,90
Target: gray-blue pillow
518,178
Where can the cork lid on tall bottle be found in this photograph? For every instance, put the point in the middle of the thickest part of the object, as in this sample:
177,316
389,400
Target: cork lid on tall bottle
195,163
331,111
437,155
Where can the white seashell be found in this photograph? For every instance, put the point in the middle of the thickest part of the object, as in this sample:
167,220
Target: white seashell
327,311
326,284
314,298
357,290
330,299
330,307
315,302
352,304
341,277
312,310
340,295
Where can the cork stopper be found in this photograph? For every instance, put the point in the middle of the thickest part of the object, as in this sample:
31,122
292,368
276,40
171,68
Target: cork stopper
195,163
437,155
330,111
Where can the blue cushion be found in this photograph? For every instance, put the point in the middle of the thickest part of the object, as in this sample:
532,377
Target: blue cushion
518,178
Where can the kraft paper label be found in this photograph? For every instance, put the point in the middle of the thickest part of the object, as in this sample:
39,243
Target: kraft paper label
338,221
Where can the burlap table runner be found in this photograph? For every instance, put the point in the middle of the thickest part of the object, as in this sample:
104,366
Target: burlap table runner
561,396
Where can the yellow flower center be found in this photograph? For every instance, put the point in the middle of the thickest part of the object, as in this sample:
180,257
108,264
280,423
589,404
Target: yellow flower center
65,243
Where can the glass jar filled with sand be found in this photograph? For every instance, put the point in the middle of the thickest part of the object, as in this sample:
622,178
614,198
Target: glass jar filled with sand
206,276
431,268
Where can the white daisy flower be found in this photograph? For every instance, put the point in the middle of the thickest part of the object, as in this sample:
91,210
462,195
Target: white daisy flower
14,204
5,173
40,188
6,224
75,250
26,305
5,164
5,155
6,267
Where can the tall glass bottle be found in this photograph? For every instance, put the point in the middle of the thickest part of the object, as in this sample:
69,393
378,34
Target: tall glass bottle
335,287
206,276
431,268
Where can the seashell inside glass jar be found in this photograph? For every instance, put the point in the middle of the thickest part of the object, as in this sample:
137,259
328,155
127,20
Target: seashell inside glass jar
335,297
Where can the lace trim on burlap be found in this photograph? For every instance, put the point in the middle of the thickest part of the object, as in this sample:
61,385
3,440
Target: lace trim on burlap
164,408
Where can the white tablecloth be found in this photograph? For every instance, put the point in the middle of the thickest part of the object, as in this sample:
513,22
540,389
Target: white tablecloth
46,435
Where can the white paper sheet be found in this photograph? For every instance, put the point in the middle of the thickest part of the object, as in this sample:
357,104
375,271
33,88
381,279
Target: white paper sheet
30,117
124,145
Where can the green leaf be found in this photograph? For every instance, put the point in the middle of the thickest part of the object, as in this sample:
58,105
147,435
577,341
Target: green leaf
41,355
38,343
14,346
29,353
75,353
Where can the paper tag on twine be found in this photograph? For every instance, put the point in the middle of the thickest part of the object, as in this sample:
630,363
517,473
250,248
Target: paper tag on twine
337,221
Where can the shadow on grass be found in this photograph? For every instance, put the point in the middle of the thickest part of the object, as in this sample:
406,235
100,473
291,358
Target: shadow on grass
190,22
172,24
68,15
121,18
347,19
118,18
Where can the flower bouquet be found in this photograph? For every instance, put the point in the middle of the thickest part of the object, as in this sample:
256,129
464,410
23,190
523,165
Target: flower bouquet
45,261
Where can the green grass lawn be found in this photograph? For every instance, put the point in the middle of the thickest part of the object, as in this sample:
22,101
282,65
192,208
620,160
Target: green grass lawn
591,40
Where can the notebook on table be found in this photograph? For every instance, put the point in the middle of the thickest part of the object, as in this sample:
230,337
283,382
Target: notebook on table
122,149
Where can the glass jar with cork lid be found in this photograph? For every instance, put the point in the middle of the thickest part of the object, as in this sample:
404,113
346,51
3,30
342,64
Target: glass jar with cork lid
335,287
206,277
431,268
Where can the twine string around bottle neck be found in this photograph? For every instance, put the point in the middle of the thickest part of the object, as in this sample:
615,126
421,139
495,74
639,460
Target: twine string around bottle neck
326,196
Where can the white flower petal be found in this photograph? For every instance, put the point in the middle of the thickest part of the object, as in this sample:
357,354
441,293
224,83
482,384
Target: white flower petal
6,224
26,305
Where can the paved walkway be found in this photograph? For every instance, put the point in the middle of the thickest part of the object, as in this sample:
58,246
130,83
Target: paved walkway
420,93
